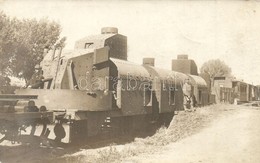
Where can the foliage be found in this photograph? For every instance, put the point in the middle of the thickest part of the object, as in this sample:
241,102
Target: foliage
22,44
4,84
215,68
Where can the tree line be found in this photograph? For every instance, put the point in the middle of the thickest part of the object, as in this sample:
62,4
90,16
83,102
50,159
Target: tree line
22,45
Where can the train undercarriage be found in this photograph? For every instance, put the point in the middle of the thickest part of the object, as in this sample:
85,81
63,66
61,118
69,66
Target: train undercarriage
18,113
19,116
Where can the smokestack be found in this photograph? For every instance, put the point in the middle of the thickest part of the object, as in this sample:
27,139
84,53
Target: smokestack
148,61
184,65
109,30
182,56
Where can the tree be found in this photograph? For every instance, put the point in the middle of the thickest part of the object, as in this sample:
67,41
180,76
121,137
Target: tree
4,84
22,44
5,37
215,68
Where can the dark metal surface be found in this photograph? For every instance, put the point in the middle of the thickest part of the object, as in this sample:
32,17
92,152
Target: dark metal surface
13,97
166,75
198,81
20,116
56,99
126,68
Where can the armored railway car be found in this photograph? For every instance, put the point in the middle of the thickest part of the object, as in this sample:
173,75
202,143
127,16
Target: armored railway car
93,88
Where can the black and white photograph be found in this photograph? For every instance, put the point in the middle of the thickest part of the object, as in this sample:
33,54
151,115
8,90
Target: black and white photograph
129,81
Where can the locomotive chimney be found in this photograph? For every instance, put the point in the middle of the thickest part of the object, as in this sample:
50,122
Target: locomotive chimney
182,56
185,65
148,61
109,30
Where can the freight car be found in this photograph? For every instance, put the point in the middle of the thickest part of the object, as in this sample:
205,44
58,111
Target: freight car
227,89
94,89
245,92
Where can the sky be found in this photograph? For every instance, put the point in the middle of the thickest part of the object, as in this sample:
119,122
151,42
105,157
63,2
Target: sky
225,30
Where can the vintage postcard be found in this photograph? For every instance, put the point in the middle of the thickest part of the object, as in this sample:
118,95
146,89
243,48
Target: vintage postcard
129,81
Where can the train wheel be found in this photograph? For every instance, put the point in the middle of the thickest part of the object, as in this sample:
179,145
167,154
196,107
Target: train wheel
59,132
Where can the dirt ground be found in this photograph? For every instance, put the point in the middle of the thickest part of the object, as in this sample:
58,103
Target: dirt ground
219,133
232,138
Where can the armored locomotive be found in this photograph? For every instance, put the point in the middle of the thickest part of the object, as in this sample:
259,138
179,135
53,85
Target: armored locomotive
92,89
